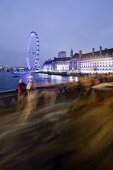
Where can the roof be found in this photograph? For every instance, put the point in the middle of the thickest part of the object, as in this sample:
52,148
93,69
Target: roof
89,55
84,56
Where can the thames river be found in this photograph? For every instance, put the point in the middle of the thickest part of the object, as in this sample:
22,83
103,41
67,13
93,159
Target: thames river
8,81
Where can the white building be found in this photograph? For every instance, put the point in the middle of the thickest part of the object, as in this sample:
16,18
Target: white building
94,62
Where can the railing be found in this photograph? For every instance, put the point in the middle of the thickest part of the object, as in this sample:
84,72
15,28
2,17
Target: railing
8,99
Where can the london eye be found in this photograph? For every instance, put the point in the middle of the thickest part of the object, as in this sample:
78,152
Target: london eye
32,51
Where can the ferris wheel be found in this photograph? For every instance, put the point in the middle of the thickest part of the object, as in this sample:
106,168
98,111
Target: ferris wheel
32,51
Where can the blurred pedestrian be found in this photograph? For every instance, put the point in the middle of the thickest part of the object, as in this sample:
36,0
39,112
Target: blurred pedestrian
22,92
32,96
31,84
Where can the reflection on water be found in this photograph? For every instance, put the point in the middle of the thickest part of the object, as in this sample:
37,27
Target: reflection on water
57,78
43,75
7,82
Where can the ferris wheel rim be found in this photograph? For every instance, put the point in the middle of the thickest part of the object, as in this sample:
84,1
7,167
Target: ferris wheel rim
32,34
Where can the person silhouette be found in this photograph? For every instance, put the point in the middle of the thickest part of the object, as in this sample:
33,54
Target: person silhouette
32,96
22,92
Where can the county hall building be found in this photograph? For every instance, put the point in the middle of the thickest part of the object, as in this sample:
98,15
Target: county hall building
100,61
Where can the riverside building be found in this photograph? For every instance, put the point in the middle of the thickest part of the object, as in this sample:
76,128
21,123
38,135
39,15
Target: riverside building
100,61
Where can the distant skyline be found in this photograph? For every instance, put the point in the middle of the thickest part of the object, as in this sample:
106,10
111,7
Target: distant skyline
60,24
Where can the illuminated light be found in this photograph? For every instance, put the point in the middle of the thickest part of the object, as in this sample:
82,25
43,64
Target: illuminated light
43,75
21,68
62,67
59,67
76,78
56,77
70,78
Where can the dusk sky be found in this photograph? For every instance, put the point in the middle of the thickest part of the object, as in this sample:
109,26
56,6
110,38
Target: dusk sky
60,24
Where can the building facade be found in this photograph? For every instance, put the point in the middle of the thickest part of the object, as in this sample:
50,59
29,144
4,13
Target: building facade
100,61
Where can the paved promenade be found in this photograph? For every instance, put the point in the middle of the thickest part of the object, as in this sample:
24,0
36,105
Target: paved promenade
70,128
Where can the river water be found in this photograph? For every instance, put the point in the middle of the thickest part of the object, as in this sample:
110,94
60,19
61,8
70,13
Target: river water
8,81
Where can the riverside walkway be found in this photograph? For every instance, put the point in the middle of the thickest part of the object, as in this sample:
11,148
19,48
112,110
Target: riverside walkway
70,129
